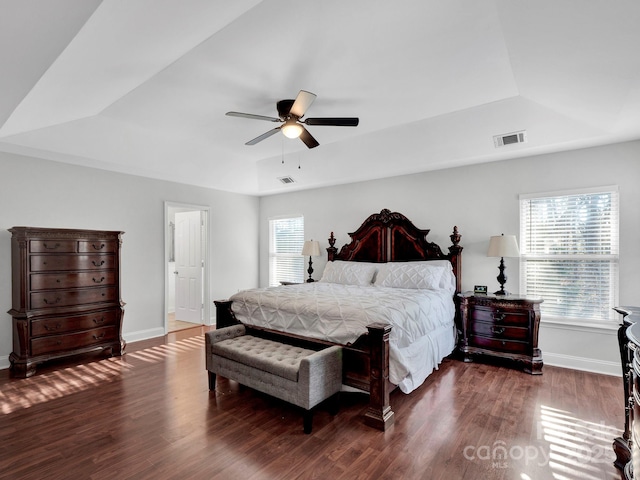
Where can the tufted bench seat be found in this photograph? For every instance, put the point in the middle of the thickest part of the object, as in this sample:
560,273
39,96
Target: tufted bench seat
296,375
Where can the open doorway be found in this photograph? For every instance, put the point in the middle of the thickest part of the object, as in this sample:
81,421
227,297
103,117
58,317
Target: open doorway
186,266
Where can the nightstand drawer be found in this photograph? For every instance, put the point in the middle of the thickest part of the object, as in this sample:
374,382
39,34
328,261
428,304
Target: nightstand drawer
500,316
497,345
499,332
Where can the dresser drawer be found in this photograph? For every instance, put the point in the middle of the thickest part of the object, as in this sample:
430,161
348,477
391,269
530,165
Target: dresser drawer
500,332
43,263
72,297
73,323
49,281
500,316
52,246
57,343
498,345
97,246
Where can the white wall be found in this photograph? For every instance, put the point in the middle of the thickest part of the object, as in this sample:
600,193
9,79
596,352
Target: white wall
42,193
482,200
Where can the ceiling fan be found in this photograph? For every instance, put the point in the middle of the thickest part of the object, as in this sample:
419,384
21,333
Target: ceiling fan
290,113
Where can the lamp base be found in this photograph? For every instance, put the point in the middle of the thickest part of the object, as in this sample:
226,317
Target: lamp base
502,279
310,271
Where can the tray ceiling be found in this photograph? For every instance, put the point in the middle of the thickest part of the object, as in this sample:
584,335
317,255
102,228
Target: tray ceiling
142,87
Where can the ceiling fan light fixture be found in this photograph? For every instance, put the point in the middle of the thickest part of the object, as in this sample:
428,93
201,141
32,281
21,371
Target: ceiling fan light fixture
291,129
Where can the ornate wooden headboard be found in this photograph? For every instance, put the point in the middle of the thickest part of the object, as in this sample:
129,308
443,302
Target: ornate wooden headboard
391,237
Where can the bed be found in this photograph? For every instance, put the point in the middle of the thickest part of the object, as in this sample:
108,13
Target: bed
388,298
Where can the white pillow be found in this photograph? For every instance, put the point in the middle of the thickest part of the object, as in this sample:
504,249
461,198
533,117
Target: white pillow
419,275
448,280
349,273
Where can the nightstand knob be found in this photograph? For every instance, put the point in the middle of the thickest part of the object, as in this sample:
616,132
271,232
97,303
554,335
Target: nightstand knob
497,330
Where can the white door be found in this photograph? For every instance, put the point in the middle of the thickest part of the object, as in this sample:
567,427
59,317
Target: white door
188,267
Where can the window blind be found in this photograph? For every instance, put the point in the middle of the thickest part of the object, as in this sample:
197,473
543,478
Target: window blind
569,252
286,264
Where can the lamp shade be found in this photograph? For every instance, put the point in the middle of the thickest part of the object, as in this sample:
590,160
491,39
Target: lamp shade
311,248
503,246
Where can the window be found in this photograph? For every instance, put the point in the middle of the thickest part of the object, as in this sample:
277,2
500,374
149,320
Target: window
286,238
569,253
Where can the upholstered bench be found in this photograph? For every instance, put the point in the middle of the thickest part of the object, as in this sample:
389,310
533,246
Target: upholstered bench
296,375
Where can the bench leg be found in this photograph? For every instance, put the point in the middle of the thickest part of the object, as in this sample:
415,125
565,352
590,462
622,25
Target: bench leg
308,421
334,403
212,381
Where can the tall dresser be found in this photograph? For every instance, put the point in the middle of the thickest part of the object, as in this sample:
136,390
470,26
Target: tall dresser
65,295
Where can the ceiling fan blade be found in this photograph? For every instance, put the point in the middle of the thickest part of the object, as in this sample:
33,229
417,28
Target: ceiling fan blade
302,102
263,136
308,139
336,122
252,116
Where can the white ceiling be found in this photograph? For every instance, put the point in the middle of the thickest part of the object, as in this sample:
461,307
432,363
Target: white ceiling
142,86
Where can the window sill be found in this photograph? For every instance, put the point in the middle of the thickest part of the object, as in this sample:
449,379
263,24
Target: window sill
556,322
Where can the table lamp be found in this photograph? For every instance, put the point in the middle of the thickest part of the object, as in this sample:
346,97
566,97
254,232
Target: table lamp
311,248
502,246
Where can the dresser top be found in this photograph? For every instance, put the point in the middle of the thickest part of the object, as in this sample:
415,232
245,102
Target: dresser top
62,232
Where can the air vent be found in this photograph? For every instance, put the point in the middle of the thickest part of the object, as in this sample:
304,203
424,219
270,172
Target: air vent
286,180
510,138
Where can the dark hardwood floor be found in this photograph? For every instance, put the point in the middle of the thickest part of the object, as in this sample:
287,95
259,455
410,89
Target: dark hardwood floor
149,415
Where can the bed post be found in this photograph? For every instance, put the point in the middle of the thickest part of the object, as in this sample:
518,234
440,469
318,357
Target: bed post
379,413
331,250
456,261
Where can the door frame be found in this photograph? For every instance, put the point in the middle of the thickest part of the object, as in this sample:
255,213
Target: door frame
206,296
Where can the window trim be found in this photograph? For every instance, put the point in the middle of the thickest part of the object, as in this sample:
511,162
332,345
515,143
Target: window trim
612,321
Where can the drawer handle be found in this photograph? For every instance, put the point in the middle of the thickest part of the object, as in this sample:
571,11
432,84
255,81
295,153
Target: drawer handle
497,330
51,248
498,317
98,281
50,328
98,247
98,337
98,321
50,302
96,264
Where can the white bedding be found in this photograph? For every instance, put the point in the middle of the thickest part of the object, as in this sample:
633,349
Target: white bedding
423,330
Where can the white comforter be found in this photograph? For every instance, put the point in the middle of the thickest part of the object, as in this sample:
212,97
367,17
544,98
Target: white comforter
423,330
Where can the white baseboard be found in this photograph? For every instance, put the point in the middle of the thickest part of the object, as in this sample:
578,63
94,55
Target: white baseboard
582,363
553,359
143,334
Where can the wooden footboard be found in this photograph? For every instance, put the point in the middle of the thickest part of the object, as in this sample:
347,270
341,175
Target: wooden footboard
365,363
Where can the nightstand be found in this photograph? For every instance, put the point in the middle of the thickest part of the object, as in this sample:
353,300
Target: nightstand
504,327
